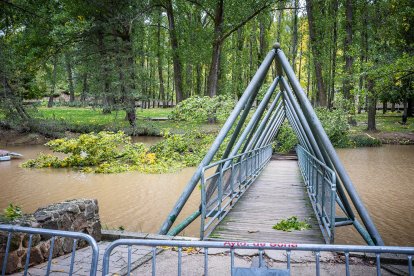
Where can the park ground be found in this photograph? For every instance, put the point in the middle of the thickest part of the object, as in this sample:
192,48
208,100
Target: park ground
70,121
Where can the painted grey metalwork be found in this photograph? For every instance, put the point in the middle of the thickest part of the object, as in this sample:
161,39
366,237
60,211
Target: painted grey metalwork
287,248
320,182
76,236
316,152
221,190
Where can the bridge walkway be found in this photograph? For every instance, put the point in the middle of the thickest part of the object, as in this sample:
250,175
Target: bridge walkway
278,193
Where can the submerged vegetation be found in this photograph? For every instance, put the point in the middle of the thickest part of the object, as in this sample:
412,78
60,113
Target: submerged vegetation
109,152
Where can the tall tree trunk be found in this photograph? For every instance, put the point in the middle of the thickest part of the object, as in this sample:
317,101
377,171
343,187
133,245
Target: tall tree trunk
53,90
159,61
300,59
213,76
84,88
178,81
294,35
384,107
70,78
347,82
107,98
372,106
334,50
316,52
405,113
198,79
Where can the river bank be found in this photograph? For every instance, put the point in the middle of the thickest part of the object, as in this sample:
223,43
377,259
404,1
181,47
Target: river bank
11,137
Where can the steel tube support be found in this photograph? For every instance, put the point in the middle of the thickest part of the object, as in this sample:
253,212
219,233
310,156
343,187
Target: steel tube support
318,129
267,126
270,127
263,123
255,118
275,130
251,89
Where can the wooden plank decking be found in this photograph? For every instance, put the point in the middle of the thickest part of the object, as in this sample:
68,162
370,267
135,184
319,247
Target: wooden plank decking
278,193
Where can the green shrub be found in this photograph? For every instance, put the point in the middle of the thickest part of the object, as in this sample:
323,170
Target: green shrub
290,224
335,123
364,140
286,139
202,109
12,212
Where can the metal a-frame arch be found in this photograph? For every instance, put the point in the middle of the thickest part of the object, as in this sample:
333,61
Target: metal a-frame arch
250,140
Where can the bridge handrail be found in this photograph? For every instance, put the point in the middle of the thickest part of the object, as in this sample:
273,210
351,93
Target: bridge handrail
231,158
53,233
259,246
254,161
321,187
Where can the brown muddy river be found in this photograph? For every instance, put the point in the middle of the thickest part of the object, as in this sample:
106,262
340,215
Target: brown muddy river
384,178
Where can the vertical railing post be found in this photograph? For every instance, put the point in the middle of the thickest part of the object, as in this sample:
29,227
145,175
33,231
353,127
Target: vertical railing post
220,189
232,178
203,204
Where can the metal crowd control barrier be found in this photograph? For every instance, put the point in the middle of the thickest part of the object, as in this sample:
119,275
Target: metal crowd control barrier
231,179
10,229
320,181
288,248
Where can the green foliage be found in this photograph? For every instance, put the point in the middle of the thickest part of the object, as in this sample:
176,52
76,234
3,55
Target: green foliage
187,149
108,152
335,123
291,224
201,109
364,140
12,212
105,152
286,139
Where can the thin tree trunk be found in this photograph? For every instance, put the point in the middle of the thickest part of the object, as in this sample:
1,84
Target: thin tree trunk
295,35
372,106
53,90
159,59
384,107
178,81
315,45
212,84
347,83
70,78
300,59
107,99
334,50
84,88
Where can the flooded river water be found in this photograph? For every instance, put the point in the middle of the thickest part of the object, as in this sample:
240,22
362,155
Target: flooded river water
384,178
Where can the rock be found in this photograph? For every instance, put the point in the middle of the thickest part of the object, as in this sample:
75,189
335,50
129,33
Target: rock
14,262
80,215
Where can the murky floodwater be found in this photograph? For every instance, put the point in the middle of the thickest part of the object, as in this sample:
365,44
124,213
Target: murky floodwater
138,202
384,178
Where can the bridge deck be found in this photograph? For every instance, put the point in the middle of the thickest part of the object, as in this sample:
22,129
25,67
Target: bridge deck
278,193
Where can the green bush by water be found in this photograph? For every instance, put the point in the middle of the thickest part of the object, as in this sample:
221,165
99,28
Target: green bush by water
109,152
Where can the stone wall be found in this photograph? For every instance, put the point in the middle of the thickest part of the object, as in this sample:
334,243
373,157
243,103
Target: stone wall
79,215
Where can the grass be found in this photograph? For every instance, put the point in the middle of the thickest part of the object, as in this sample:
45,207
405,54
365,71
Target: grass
87,119
81,115
388,122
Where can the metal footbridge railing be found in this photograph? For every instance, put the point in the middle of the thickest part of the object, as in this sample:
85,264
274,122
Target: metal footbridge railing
342,255
231,178
320,182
